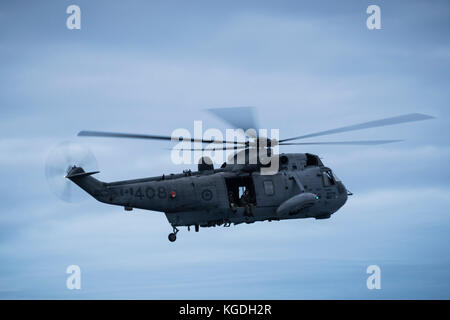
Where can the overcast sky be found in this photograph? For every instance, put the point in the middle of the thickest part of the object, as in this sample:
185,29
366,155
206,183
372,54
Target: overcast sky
152,67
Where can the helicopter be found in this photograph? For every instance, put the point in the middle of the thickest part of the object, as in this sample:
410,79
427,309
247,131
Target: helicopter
237,192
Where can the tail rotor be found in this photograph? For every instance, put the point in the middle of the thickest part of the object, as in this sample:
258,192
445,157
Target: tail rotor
60,161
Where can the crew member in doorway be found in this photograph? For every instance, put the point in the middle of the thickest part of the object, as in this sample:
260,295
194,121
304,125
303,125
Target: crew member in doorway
246,202
233,205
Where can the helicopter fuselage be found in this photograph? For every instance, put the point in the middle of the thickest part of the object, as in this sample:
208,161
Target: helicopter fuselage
302,188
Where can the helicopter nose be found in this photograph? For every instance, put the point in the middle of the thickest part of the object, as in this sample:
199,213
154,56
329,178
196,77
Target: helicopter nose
343,193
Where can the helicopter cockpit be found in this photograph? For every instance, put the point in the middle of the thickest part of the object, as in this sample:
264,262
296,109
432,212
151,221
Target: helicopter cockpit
299,161
328,178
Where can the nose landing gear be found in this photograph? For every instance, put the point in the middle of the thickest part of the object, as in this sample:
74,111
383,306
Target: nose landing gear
173,235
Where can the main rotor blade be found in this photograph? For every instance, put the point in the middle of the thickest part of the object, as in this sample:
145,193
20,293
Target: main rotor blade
366,125
85,133
362,143
238,117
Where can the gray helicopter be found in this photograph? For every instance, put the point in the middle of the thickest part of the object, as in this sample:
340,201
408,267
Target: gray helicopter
301,187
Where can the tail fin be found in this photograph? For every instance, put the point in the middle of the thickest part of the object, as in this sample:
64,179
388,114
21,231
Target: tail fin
84,180
79,172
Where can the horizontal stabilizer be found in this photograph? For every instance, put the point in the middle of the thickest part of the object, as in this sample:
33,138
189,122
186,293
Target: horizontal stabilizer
71,175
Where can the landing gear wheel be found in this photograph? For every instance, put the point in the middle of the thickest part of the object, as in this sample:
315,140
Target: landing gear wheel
172,237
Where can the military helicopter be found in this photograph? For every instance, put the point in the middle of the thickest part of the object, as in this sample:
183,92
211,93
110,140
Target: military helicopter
235,193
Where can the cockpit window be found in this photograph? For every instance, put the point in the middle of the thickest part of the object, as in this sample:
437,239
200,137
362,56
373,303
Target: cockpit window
311,160
328,178
336,177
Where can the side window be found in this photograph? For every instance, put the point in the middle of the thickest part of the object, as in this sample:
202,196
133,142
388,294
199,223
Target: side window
268,187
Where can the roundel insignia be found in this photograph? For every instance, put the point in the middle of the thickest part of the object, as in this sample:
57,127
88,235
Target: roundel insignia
207,194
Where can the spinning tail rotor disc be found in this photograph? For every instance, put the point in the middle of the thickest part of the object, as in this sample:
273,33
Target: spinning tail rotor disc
59,162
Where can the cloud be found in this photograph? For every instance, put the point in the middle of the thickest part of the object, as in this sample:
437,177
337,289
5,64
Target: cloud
306,67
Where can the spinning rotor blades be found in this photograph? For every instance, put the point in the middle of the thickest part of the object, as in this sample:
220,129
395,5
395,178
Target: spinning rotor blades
411,117
243,118
103,134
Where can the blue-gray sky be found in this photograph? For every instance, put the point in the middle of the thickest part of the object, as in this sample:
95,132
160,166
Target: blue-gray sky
152,67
